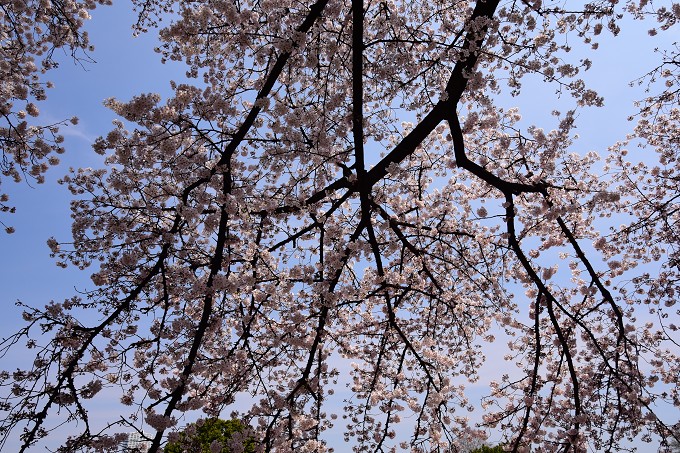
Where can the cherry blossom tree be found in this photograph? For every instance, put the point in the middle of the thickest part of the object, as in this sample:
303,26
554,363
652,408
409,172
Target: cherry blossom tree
341,185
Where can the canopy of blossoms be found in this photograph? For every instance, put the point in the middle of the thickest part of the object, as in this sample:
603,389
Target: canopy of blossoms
339,184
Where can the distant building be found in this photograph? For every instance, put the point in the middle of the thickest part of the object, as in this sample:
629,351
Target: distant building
136,443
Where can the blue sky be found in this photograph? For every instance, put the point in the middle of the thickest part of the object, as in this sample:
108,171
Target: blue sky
126,66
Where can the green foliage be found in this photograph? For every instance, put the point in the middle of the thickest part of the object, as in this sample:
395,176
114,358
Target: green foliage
485,449
198,437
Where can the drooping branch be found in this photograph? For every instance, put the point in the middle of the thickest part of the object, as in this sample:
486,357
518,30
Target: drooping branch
550,302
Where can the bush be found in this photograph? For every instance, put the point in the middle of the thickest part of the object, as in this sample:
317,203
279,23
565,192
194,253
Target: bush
486,449
214,435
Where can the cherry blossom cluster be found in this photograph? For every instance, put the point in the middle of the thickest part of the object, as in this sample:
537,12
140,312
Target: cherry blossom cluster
31,31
